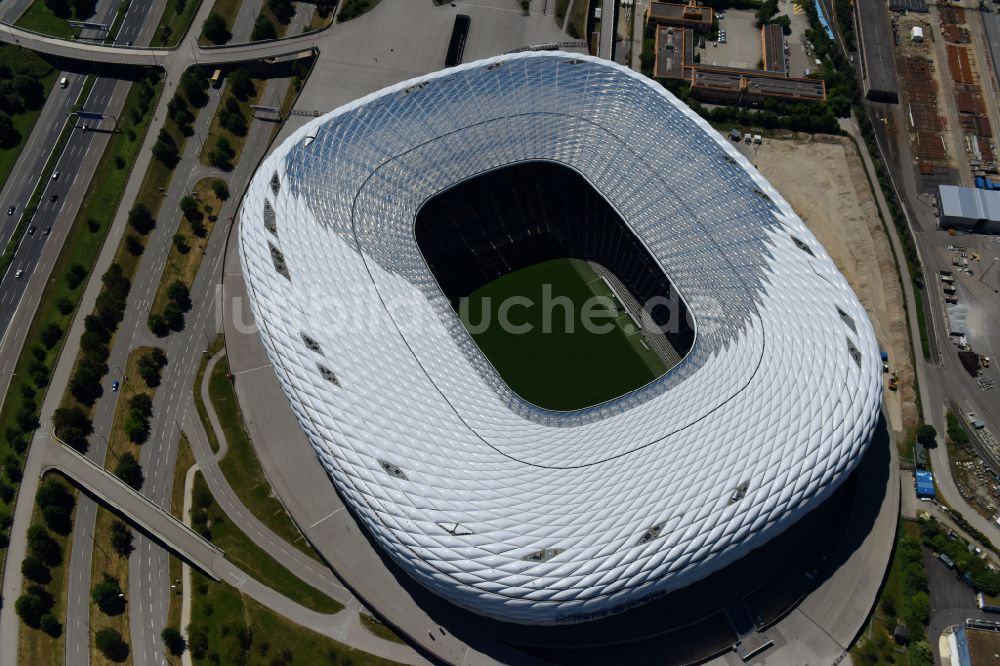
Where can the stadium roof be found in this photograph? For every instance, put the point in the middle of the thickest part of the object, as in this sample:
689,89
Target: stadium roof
506,509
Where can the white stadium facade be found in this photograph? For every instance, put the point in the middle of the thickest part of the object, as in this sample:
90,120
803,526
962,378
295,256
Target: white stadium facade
503,508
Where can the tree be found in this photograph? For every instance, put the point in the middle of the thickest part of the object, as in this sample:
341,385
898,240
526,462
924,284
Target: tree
51,334
108,596
141,403
33,604
173,316
165,149
9,136
263,29
75,275
784,22
121,538
173,641
241,84
58,7
35,570
179,294
56,503
283,10
927,435
232,118
73,426
51,625
921,654
150,365
141,219
129,470
221,156
109,642
197,640
41,545
189,206
134,245
180,242
85,384
214,29
158,326
180,113
220,189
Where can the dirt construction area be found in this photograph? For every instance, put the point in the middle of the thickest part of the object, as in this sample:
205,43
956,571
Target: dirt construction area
824,181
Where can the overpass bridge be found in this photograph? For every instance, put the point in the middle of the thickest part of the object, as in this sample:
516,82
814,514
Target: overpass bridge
123,499
287,48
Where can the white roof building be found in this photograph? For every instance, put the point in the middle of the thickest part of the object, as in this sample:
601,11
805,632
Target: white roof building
506,509
969,208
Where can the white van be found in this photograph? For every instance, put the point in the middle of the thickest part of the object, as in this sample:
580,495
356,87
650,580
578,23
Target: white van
63,82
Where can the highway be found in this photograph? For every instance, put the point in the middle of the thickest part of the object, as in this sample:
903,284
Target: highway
104,95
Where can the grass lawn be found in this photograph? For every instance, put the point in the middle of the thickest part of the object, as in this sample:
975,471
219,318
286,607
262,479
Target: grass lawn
216,345
227,9
317,22
58,301
185,458
565,367
118,442
35,647
223,612
20,59
576,26
175,22
279,27
106,561
354,8
39,18
244,553
379,629
240,465
184,266
561,7
215,129
876,639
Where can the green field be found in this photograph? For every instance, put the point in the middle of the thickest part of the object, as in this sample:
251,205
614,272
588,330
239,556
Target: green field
560,365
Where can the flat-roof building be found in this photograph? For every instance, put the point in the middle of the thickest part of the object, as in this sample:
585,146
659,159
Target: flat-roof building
748,86
690,15
772,39
675,60
674,49
878,69
969,208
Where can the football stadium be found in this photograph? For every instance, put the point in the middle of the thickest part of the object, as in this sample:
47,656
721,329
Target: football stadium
558,345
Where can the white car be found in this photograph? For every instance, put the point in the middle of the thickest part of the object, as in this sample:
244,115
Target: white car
19,273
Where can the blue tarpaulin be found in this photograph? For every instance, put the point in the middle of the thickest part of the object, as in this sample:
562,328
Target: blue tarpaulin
925,484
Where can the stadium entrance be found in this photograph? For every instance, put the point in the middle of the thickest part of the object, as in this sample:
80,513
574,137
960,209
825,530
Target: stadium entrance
561,297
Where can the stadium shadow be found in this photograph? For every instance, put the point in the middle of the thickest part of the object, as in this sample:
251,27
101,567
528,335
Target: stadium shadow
705,619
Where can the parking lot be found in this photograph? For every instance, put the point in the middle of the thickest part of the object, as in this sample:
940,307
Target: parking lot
742,47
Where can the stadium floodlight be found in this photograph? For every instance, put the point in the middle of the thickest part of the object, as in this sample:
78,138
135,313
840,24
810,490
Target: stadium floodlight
504,508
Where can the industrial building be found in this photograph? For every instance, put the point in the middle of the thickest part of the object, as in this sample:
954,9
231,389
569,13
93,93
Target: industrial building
690,15
731,85
506,509
878,68
968,208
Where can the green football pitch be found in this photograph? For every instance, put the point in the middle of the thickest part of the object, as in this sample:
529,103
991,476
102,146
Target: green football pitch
554,361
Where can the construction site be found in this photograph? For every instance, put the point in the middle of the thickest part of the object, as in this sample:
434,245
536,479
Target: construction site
949,100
